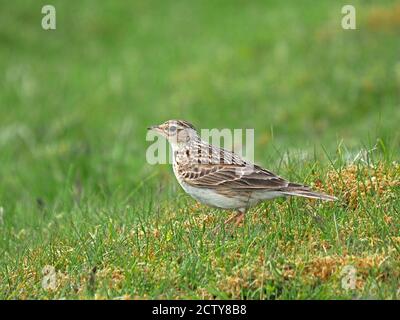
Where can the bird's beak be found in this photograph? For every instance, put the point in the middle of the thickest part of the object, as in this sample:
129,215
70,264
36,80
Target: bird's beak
155,129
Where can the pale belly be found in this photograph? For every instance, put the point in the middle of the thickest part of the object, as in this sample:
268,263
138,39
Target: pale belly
211,198
214,199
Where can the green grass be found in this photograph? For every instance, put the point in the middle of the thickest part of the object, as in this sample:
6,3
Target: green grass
77,194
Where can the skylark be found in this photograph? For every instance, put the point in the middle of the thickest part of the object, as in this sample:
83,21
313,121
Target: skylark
220,178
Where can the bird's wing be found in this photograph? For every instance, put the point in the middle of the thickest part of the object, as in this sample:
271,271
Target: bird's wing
231,176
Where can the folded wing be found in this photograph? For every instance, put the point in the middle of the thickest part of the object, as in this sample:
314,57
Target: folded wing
233,176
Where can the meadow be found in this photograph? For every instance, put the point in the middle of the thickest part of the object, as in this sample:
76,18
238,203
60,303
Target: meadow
84,216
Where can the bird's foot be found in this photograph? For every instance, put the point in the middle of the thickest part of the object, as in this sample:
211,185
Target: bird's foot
235,220
239,219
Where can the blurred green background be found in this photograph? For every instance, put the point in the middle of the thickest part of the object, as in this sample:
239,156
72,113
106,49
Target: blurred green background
75,102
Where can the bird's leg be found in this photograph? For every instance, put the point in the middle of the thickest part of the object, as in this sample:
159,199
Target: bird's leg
234,217
239,218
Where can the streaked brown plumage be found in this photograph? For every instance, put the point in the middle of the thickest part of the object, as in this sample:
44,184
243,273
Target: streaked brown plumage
221,178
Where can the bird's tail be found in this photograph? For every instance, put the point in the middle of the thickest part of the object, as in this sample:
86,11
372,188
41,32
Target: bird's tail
306,192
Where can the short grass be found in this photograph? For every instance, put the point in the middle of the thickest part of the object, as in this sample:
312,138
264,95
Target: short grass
77,195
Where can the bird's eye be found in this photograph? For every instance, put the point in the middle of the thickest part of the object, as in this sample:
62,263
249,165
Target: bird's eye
172,129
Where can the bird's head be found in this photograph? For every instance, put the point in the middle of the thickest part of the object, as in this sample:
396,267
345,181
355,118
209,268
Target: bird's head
177,132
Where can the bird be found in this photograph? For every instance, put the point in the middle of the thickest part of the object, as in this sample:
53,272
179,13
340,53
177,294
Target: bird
222,179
